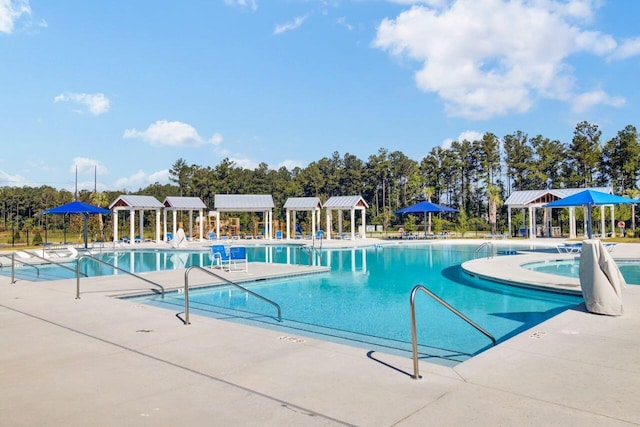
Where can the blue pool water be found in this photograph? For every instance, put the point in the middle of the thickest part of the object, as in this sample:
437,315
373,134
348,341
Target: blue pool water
570,268
364,301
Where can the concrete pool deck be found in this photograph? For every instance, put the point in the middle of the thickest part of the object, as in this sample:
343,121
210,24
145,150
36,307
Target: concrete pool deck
101,361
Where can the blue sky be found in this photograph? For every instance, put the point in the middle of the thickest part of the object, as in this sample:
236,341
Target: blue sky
128,87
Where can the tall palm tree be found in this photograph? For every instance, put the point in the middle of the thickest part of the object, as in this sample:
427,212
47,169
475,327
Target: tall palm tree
100,199
494,194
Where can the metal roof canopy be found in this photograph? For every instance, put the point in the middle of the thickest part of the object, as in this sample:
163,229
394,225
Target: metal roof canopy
127,202
343,203
243,202
303,203
530,200
131,203
246,203
184,203
521,199
190,204
346,202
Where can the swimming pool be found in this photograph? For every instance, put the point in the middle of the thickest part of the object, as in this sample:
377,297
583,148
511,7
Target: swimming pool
364,301
630,269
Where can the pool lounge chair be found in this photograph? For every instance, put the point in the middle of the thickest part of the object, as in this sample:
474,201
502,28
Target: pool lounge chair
278,235
238,255
219,256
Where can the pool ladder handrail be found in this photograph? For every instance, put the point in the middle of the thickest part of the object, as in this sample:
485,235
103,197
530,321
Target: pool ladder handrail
224,279
488,246
414,332
13,266
99,261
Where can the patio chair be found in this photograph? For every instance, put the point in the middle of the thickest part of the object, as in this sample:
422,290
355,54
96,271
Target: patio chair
278,235
237,255
219,256
211,235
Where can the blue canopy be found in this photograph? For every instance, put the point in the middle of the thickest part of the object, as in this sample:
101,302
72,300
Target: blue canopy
425,207
590,198
76,207
79,208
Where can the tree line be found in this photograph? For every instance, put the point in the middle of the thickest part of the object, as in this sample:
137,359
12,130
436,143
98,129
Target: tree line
472,176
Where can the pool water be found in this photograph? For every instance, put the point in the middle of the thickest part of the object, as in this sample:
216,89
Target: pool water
364,301
570,268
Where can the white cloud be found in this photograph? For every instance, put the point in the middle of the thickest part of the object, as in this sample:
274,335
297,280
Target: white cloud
8,180
291,164
244,162
216,139
487,58
141,179
586,101
10,12
85,165
297,21
628,48
469,135
163,132
96,103
251,4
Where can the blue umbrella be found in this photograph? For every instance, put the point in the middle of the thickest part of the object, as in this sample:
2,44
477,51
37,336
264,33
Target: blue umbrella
590,198
425,207
79,208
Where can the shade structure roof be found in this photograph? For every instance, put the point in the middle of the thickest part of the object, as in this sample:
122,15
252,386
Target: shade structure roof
591,198
303,203
76,207
133,201
425,207
345,202
184,203
526,198
243,202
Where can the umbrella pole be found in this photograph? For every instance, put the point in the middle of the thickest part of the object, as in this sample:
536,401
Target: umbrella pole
86,229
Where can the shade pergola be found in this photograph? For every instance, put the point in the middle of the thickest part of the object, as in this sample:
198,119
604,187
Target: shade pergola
133,203
305,204
346,203
245,203
531,200
188,204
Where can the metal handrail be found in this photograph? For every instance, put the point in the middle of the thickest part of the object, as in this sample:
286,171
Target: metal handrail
414,332
13,266
99,261
50,261
211,273
487,245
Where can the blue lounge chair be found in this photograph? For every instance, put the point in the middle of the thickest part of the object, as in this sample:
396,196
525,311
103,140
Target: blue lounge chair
219,256
237,255
278,235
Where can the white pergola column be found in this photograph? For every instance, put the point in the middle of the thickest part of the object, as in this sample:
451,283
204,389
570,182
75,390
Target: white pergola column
201,216
613,223
572,222
352,216
340,214
603,229
141,224
132,225
585,220
329,225
175,223
364,224
218,225
157,225
532,222
313,223
115,225
288,225
164,214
